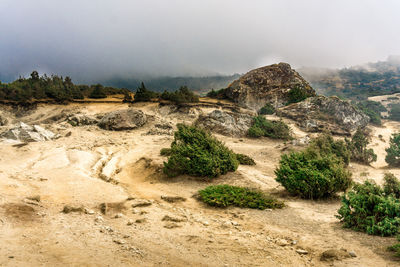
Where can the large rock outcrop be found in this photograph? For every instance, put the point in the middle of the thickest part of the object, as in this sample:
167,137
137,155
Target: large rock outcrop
225,123
316,114
270,84
27,133
120,120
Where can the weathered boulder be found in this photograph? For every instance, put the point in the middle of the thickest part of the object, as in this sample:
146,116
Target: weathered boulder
225,123
126,119
28,133
81,120
3,120
269,84
322,113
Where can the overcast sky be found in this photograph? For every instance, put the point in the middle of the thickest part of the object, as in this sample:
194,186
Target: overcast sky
97,39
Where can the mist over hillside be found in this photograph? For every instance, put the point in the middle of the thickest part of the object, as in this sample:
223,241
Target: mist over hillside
356,82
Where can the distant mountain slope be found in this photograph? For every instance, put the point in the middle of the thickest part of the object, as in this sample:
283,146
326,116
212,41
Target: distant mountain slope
358,82
199,84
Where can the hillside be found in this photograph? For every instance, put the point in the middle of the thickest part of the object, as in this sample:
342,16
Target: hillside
359,82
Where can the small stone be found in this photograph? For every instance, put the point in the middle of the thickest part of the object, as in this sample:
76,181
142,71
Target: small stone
205,223
282,242
69,209
89,211
173,219
99,219
34,198
234,223
171,225
130,222
352,254
119,242
141,203
11,257
294,242
118,215
173,199
302,251
142,220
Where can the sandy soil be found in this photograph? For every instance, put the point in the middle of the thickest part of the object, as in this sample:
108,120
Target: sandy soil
72,171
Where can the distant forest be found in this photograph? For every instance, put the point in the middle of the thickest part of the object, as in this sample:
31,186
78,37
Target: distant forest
52,87
198,84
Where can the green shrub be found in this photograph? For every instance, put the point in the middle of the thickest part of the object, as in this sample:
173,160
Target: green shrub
245,160
297,94
368,209
98,92
165,152
196,152
391,185
226,195
394,112
393,151
324,145
395,248
267,128
372,109
312,176
268,109
219,94
144,95
183,95
358,147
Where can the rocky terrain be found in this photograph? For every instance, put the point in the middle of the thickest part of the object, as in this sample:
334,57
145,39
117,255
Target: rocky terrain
269,84
94,197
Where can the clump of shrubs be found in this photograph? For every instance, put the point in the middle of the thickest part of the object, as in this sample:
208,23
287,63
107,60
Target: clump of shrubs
182,95
372,209
268,109
245,160
219,94
267,128
227,195
393,151
358,148
372,109
196,152
98,92
311,175
143,94
297,94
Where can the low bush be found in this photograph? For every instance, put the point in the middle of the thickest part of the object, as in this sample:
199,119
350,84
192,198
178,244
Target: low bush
245,160
312,176
183,95
165,152
196,152
393,151
391,185
369,209
395,248
98,92
268,109
273,129
297,94
372,109
358,147
219,94
324,145
227,195
394,112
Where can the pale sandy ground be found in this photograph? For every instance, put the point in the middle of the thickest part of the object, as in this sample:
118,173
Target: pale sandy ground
68,170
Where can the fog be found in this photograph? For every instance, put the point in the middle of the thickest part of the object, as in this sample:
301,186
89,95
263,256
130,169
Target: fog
100,39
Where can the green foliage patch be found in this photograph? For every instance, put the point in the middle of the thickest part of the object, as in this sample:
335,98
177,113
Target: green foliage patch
196,152
325,145
358,147
144,95
268,109
372,209
181,96
312,176
372,109
267,128
297,94
227,195
393,151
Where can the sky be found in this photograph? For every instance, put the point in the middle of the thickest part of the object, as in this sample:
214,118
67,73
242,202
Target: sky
100,39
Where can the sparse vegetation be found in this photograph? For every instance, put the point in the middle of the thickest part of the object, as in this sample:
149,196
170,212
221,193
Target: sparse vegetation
181,96
372,209
358,147
395,248
144,95
372,109
312,176
196,152
227,195
98,92
273,129
394,113
245,160
219,94
297,94
165,152
393,151
268,109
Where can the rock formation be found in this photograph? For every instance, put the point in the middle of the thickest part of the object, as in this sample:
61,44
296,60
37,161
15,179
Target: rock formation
126,119
270,84
322,113
27,133
225,123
